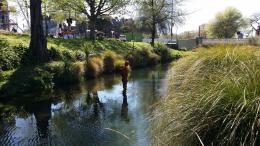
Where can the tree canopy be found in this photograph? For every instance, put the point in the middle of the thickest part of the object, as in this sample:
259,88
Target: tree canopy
156,13
226,23
94,9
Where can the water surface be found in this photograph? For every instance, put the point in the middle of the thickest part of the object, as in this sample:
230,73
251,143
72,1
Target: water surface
97,113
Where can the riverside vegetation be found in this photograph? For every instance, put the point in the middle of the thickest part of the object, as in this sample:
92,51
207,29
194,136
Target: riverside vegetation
213,99
70,62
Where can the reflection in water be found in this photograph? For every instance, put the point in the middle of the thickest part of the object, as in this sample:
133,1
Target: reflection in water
82,114
124,110
43,115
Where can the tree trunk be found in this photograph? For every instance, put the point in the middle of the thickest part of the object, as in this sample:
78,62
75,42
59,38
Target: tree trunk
92,29
38,44
153,32
153,24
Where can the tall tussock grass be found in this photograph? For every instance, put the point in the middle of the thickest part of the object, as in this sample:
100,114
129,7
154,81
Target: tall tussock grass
213,99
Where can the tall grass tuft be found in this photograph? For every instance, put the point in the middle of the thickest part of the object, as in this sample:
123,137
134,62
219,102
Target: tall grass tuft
109,61
94,67
213,99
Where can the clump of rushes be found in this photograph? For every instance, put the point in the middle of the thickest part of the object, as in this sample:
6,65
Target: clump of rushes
94,67
109,61
213,99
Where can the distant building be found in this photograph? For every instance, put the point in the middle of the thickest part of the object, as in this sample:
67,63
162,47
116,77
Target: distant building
4,15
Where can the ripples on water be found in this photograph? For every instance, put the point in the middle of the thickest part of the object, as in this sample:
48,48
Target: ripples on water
96,113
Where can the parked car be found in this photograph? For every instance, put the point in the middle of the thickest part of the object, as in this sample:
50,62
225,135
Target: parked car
122,38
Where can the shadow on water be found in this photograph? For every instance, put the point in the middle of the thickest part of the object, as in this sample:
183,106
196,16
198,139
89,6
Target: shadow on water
98,112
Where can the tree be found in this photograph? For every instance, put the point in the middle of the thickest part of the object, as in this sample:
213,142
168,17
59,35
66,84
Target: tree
255,23
94,9
226,23
38,44
157,12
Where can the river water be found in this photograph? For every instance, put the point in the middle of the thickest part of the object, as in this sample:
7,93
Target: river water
97,113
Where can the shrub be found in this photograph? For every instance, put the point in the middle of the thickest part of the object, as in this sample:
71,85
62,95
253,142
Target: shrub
9,59
153,59
41,80
3,44
109,61
142,58
80,56
69,55
55,54
164,52
66,72
28,80
94,67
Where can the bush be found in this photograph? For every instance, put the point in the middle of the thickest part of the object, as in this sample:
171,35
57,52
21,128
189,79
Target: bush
153,59
94,67
55,54
109,61
3,44
142,58
66,73
69,55
41,80
28,80
80,56
164,52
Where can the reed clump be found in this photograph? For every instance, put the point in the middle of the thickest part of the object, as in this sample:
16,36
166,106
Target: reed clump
213,99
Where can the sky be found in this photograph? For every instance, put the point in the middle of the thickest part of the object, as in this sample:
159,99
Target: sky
203,11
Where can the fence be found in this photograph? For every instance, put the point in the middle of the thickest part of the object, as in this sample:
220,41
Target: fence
188,44
225,41
193,43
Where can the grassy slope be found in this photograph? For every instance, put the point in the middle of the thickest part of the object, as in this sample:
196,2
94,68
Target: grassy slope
76,68
213,96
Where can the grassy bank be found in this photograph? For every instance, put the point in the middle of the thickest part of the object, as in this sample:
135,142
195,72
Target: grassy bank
213,99
71,61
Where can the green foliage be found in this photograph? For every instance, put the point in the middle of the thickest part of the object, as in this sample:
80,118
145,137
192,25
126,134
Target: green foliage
55,54
12,57
164,52
214,99
142,58
109,61
94,67
80,55
226,23
137,37
27,80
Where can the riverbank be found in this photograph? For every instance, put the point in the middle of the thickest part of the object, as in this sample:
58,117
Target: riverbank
213,99
70,62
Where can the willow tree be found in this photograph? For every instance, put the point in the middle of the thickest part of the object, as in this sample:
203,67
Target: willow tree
38,44
94,9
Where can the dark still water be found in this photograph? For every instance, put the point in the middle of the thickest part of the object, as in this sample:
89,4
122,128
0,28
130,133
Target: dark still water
98,113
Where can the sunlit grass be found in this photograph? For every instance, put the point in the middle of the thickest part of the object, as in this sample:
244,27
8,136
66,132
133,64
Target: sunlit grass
213,99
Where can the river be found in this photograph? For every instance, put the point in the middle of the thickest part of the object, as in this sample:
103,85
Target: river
96,113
